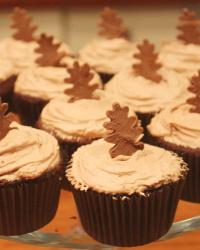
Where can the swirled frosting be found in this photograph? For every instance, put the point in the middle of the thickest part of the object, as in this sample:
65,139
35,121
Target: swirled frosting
184,58
6,70
145,95
109,55
177,125
22,54
27,153
93,168
45,83
80,121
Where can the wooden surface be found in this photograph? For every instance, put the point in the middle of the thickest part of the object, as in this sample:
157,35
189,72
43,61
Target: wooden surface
66,217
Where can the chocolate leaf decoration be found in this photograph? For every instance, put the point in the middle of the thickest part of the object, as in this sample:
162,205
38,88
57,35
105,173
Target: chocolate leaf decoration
4,120
80,77
22,22
111,25
189,27
126,132
148,66
50,56
195,88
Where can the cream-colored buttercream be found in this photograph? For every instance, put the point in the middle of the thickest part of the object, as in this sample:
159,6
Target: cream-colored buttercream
6,70
80,121
109,55
177,125
93,168
145,95
184,58
27,153
45,83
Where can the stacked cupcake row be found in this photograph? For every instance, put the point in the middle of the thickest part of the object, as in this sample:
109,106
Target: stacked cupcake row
126,194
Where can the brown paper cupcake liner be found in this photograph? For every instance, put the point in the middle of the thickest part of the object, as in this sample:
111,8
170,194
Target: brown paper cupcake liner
26,206
145,119
28,109
6,90
105,77
126,221
191,191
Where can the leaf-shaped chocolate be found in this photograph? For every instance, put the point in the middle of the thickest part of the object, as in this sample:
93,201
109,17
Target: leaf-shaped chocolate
195,89
4,120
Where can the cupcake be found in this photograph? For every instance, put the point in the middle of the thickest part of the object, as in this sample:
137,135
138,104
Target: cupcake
177,128
122,200
77,117
112,52
148,86
183,55
29,177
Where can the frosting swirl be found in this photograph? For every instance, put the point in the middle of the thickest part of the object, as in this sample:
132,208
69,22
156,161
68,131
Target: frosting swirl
27,153
45,83
180,57
6,70
93,168
80,121
177,125
109,55
22,54
145,95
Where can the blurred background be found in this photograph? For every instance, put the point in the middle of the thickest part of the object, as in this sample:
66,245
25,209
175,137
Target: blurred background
74,21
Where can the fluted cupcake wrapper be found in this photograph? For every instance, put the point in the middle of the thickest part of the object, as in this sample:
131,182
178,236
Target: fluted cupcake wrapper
128,220
145,119
26,206
105,77
6,90
191,191
28,109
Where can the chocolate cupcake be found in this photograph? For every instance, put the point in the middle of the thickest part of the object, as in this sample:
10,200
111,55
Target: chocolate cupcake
30,170
36,86
147,86
177,128
183,55
77,117
126,194
112,52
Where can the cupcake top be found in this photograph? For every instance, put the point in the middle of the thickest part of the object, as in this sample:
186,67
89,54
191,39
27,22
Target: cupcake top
129,166
25,152
184,55
45,83
147,87
79,121
180,123
20,50
112,52
6,70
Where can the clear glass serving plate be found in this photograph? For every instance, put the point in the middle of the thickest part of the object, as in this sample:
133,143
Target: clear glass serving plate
71,235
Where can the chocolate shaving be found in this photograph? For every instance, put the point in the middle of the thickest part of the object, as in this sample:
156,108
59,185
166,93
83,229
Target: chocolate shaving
147,66
189,27
5,120
195,88
111,25
22,22
80,77
126,132
49,51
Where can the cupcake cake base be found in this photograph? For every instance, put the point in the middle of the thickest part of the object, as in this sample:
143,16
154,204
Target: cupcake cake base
28,205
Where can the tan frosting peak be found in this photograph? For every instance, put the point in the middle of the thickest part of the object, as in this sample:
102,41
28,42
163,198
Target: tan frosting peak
45,82
93,168
177,125
27,153
145,95
109,55
22,54
184,58
80,121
